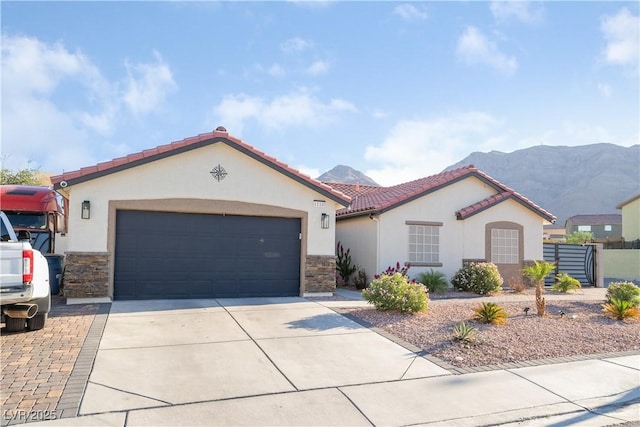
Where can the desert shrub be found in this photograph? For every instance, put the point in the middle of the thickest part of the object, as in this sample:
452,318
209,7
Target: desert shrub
434,281
344,265
395,292
621,309
565,283
361,279
463,332
624,291
517,285
391,270
479,277
490,312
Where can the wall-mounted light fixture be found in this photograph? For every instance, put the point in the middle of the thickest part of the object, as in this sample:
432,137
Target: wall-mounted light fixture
324,220
86,209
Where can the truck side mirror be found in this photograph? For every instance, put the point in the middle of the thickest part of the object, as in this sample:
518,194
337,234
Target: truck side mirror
24,235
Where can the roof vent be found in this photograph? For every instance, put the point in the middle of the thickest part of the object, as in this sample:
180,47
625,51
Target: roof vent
221,129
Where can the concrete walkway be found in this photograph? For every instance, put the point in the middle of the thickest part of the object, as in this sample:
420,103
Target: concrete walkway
292,361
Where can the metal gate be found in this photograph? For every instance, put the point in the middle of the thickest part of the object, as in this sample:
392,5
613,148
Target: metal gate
578,261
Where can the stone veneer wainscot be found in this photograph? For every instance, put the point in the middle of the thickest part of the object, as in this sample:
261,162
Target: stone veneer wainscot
320,273
86,275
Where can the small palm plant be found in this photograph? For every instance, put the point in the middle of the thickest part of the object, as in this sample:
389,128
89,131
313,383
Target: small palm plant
490,312
537,272
621,309
435,281
566,283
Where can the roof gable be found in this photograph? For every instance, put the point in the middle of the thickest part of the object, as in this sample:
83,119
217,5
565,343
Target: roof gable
595,219
377,200
220,135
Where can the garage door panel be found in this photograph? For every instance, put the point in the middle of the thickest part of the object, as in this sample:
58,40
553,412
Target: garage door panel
176,255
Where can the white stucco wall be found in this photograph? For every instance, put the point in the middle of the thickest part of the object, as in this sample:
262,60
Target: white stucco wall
187,176
459,239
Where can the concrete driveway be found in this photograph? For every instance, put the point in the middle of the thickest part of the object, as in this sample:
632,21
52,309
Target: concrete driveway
164,353
292,361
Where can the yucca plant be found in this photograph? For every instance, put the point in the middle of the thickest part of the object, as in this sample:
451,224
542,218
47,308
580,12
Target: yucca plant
490,312
463,332
621,309
537,272
566,283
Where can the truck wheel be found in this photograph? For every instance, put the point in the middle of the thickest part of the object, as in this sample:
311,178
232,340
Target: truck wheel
37,322
13,325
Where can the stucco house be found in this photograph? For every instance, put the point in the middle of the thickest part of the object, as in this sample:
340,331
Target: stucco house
206,217
440,222
602,226
630,218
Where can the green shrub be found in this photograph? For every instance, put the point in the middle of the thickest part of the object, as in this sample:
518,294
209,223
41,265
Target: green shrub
361,280
463,332
565,283
490,312
434,281
344,266
621,309
395,292
624,291
479,277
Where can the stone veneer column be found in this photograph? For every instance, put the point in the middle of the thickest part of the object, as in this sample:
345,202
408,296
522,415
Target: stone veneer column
86,275
320,273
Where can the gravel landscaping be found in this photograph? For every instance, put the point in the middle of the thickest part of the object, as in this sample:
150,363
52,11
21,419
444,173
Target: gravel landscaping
582,330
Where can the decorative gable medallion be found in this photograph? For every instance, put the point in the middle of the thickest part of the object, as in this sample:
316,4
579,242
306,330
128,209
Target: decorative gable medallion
218,173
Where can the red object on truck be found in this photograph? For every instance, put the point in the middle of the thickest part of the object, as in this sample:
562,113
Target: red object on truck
39,210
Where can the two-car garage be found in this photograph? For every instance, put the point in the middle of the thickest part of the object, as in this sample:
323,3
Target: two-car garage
173,255
208,216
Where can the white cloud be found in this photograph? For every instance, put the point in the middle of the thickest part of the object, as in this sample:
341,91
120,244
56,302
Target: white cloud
148,85
276,70
299,108
418,148
409,12
521,11
312,172
604,89
317,68
621,32
295,44
475,48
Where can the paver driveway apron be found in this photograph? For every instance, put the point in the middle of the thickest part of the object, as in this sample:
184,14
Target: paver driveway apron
162,353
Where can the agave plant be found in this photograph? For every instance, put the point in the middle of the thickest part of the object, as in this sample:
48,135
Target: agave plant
465,333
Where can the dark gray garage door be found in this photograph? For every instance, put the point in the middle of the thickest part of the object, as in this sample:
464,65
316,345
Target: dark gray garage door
166,255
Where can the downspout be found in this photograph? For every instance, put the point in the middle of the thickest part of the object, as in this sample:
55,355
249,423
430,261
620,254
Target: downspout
377,241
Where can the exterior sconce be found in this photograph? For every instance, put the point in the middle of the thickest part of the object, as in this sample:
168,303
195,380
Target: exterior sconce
324,220
86,209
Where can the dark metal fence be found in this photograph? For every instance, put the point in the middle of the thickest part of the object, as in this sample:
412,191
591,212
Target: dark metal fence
621,244
575,260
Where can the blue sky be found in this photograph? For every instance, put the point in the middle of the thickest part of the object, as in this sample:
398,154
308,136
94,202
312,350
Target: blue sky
398,90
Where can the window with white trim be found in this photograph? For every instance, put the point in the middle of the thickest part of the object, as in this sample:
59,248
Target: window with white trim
584,228
424,243
504,246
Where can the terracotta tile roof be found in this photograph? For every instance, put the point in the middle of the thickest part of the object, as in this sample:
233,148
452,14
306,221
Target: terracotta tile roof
220,135
376,200
595,219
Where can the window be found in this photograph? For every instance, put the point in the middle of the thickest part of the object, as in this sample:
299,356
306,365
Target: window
504,246
424,243
607,228
584,228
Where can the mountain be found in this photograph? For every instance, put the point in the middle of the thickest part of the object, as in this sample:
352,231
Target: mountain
347,175
566,181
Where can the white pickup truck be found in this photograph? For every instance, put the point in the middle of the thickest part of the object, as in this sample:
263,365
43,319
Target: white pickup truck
25,294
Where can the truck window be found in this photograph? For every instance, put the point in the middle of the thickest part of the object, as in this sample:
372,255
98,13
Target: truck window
28,220
5,233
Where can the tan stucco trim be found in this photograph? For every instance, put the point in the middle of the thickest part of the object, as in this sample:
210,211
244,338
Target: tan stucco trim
507,271
431,223
203,206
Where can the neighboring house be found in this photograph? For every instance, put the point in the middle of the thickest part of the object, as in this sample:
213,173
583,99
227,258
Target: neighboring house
554,234
630,218
622,259
602,226
206,217
440,222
